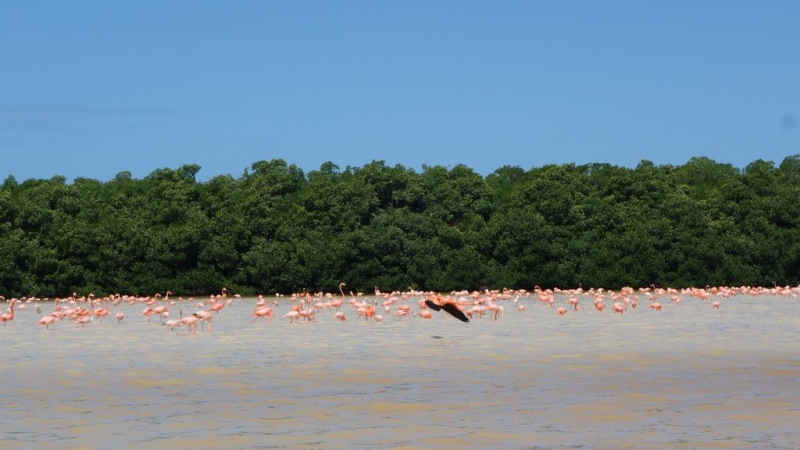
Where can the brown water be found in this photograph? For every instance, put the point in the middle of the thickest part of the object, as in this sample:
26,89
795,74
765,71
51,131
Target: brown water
687,377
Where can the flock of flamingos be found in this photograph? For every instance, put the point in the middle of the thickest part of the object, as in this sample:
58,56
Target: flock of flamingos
308,307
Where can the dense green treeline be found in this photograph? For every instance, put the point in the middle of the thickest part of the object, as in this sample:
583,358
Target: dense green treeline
278,229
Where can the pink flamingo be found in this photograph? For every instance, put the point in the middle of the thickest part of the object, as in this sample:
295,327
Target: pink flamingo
307,314
266,311
9,314
561,311
160,310
401,313
216,307
656,306
292,316
425,314
369,312
148,312
100,313
47,321
574,302
361,312
172,324
83,320
204,316
191,323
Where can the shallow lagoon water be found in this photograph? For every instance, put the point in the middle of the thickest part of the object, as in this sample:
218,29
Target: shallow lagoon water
686,377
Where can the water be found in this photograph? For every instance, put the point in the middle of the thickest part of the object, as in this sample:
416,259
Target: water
686,377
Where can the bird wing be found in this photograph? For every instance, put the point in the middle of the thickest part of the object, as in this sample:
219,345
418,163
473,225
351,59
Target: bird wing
455,312
432,305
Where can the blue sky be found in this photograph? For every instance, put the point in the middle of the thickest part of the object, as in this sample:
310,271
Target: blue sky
93,88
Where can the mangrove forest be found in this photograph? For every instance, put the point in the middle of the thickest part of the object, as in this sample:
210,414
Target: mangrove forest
277,229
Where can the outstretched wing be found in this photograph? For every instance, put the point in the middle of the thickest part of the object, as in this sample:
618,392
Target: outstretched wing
455,312
432,305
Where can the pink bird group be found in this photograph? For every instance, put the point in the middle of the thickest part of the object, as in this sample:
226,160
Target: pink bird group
305,307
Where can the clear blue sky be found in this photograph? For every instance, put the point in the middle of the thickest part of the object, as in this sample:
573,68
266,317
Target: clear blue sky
93,88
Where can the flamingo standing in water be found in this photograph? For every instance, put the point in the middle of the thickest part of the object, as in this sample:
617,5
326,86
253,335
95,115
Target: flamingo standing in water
191,323
100,313
147,312
338,302
292,316
265,311
261,312
574,302
48,320
204,316
217,306
172,324
84,319
9,314
369,312
159,310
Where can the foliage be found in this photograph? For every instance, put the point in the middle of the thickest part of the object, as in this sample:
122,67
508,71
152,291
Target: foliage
276,229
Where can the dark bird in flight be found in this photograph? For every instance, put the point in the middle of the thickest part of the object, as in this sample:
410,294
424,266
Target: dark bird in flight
448,305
